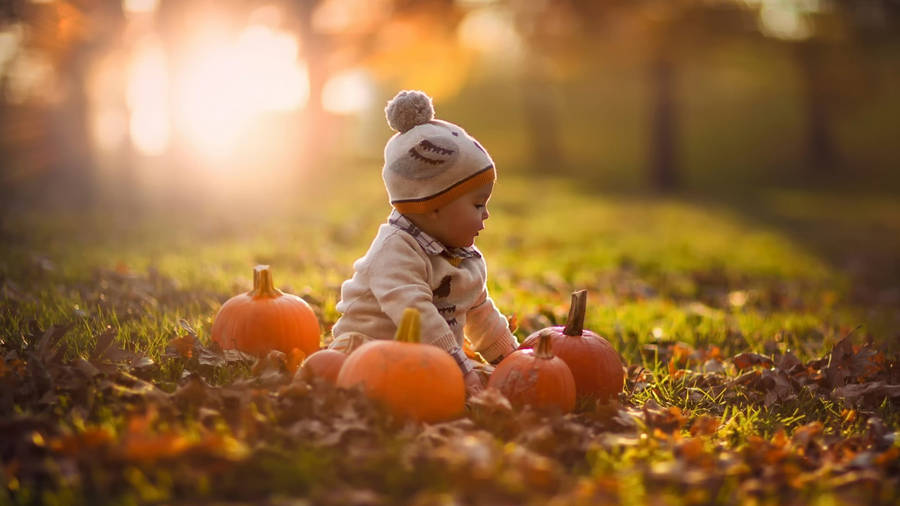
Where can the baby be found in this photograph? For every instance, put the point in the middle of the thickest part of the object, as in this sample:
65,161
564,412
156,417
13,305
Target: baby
439,180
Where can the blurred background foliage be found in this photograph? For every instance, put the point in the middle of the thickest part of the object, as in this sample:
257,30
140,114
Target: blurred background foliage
782,110
652,151
121,104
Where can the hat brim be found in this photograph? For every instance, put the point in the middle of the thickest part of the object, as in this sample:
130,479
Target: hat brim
447,195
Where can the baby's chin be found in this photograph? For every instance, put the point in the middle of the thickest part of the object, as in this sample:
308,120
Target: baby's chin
463,244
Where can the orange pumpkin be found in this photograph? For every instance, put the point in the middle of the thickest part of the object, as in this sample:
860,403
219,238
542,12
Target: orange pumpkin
414,380
266,319
325,364
594,363
536,377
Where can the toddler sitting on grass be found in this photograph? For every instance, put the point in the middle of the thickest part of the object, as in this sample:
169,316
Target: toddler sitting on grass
439,180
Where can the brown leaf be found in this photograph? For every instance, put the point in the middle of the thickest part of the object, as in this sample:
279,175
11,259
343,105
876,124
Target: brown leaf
106,349
847,363
492,411
747,360
788,361
274,361
195,392
705,425
85,442
666,419
806,435
183,346
152,447
873,393
48,346
85,368
102,342
208,357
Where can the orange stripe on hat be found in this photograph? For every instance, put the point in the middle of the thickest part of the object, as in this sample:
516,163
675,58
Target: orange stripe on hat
444,197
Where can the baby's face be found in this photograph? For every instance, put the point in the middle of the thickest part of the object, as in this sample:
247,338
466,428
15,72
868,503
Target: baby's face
458,223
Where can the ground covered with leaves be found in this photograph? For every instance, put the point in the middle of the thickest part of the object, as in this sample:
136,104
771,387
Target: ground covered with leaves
758,372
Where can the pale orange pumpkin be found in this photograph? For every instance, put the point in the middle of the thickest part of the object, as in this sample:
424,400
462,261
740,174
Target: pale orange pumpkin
414,380
266,319
594,363
325,364
536,377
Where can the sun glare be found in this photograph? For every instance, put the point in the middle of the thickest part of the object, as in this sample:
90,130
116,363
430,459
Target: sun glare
348,92
147,98
225,85
787,20
490,30
140,6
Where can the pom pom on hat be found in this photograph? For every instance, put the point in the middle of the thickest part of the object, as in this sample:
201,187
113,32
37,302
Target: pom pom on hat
409,109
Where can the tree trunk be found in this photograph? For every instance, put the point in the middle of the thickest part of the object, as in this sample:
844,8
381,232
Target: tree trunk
318,127
821,151
542,121
663,156
71,176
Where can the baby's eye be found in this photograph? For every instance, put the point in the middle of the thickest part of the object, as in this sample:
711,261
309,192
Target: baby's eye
479,206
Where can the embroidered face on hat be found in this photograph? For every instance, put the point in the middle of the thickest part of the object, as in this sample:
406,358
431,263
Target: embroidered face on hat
429,163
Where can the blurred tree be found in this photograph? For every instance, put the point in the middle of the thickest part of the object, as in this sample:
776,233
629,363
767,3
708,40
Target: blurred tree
829,41
550,33
662,33
67,35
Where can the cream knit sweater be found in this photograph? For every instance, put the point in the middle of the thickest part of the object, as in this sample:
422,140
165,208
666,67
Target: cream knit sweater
405,267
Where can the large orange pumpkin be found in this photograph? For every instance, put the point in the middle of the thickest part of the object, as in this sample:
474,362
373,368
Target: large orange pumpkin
266,319
417,381
536,377
595,364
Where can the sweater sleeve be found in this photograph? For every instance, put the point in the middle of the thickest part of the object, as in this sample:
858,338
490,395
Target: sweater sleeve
488,330
398,278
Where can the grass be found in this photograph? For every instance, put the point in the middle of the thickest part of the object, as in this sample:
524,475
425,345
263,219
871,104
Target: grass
673,268
698,274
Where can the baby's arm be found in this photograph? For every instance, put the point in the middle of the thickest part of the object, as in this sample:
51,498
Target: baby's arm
488,330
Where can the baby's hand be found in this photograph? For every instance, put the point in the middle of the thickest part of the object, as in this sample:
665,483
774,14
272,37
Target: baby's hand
474,384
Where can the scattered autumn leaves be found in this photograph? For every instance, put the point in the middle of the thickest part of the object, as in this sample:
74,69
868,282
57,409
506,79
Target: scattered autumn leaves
200,423
113,423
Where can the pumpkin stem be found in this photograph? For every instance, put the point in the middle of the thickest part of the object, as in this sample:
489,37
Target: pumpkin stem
544,347
262,283
575,321
409,330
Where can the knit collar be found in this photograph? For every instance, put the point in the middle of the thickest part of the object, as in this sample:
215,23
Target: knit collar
431,245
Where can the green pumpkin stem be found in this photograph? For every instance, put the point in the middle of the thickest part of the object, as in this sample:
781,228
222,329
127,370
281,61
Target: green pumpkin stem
544,348
262,283
409,330
575,321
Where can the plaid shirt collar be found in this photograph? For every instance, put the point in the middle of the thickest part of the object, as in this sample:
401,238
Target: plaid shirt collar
431,245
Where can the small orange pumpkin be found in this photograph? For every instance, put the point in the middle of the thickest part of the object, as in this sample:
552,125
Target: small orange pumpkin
325,364
417,381
266,319
594,363
536,377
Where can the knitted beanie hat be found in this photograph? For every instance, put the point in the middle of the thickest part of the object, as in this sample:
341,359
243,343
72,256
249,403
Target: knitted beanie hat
428,163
